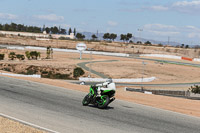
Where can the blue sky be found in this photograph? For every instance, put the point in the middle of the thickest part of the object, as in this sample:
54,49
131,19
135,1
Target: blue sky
159,19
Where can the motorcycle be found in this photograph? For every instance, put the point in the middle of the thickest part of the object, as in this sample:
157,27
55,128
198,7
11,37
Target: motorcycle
107,96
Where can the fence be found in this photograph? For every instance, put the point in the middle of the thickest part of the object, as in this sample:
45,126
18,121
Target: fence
172,93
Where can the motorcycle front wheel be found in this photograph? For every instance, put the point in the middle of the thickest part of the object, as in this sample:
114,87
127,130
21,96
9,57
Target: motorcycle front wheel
86,100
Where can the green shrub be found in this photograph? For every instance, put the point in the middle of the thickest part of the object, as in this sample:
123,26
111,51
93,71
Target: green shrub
27,53
195,89
34,55
2,56
7,69
62,38
20,56
12,55
51,75
78,72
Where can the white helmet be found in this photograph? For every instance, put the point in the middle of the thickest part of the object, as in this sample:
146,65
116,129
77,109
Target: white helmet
109,80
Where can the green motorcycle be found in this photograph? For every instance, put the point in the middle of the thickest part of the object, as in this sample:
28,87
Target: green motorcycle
107,96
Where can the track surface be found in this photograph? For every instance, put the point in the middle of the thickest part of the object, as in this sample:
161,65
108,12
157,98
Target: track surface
60,109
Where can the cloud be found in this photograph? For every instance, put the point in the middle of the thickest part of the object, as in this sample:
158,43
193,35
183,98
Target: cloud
186,3
192,7
159,27
8,16
194,35
159,8
161,30
49,17
165,33
112,23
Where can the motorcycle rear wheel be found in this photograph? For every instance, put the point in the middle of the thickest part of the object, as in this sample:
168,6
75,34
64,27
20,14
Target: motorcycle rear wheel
105,100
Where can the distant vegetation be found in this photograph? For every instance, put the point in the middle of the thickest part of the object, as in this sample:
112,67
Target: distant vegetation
78,72
2,56
32,55
195,89
34,29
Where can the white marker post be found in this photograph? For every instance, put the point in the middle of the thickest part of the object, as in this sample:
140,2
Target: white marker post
81,47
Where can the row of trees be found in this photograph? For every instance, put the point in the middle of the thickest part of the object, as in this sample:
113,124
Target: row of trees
35,29
110,36
20,28
126,37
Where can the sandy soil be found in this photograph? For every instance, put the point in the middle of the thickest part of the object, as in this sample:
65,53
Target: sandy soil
102,46
123,68
167,73
10,126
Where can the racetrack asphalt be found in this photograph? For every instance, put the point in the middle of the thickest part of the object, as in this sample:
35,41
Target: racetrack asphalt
60,109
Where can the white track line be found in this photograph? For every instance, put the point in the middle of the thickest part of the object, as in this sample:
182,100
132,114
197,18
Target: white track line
27,123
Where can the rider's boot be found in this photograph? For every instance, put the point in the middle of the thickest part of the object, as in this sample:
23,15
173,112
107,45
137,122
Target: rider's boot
98,92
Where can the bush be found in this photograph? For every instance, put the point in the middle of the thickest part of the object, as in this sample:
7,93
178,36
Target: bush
51,75
20,56
62,38
12,55
27,53
34,55
195,89
78,72
2,56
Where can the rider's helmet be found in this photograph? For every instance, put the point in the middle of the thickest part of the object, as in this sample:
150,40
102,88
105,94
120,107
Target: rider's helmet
109,80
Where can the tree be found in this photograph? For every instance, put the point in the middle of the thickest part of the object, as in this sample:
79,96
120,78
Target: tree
54,30
70,31
129,35
43,29
123,37
2,56
34,55
182,45
94,37
47,30
106,36
1,27
62,31
78,72
147,43
187,46
195,89
74,31
12,55
113,36
20,56
27,53
80,36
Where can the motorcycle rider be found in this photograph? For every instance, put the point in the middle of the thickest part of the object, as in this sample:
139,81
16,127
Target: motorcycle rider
108,85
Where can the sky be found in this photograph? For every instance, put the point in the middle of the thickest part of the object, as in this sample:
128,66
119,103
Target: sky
178,20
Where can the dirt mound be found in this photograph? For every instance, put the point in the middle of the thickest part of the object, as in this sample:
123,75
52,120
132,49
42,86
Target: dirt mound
45,72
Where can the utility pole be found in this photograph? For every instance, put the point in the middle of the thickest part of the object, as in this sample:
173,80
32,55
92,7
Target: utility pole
143,63
140,30
168,40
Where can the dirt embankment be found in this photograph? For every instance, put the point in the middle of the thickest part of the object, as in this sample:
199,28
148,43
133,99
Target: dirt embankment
10,126
102,46
45,72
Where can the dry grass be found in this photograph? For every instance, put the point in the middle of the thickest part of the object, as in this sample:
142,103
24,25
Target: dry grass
10,126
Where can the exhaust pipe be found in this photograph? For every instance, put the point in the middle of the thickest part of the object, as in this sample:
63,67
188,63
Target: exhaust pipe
112,99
